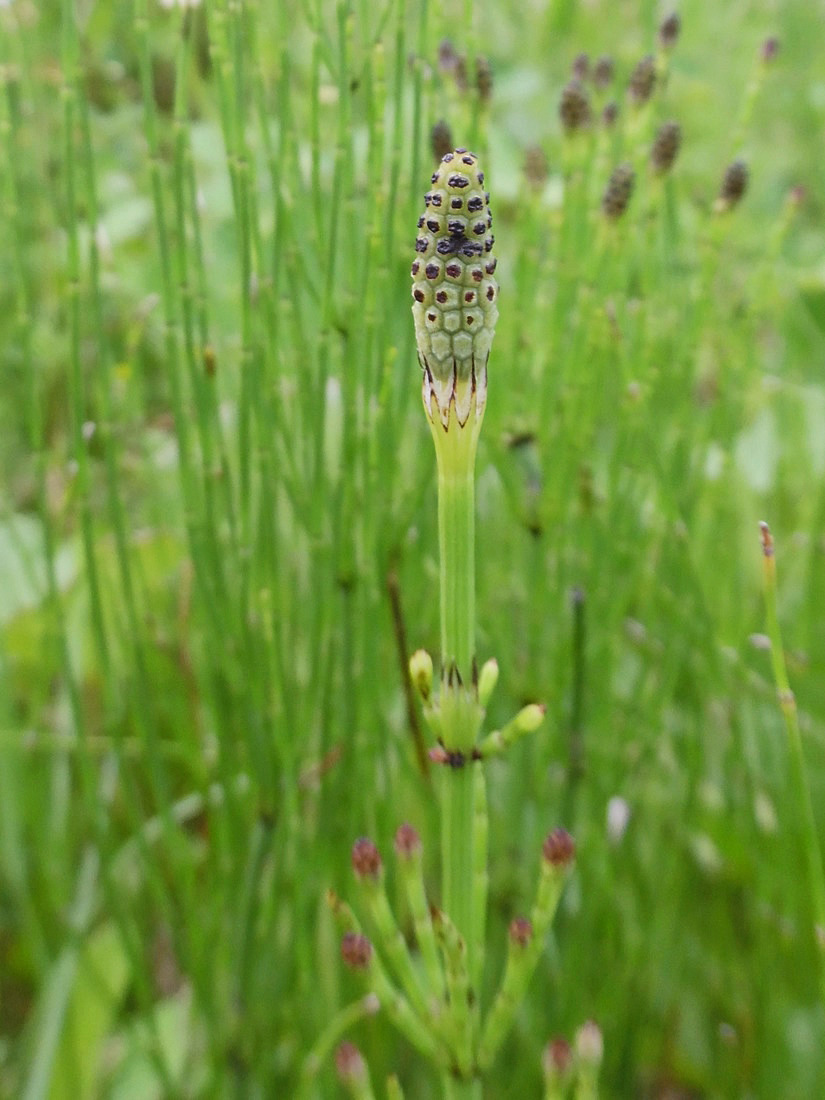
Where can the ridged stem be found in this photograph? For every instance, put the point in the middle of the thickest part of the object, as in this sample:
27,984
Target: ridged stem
459,708
456,536
799,779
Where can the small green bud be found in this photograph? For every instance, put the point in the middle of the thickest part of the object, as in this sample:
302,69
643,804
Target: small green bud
487,680
421,673
454,292
529,718
394,1090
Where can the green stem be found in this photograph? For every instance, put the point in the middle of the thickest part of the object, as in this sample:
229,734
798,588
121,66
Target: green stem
459,706
799,778
458,811
456,537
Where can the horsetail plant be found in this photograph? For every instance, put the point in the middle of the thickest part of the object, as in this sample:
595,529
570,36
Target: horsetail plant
433,996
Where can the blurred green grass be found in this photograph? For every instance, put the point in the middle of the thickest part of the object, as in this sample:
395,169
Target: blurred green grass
213,457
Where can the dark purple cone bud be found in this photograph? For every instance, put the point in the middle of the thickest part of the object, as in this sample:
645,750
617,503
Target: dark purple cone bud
559,848
557,1059
441,140
770,50
536,169
609,114
580,69
366,859
447,56
666,146
734,184
642,80
356,950
669,30
407,841
460,73
603,72
618,191
349,1064
484,79
574,107
520,931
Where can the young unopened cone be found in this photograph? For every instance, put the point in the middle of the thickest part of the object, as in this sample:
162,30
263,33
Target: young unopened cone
454,292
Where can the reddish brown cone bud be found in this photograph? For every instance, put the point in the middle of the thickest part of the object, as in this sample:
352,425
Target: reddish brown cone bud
349,1063
407,841
557,1057
559,848
520,931
356,950
366,859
